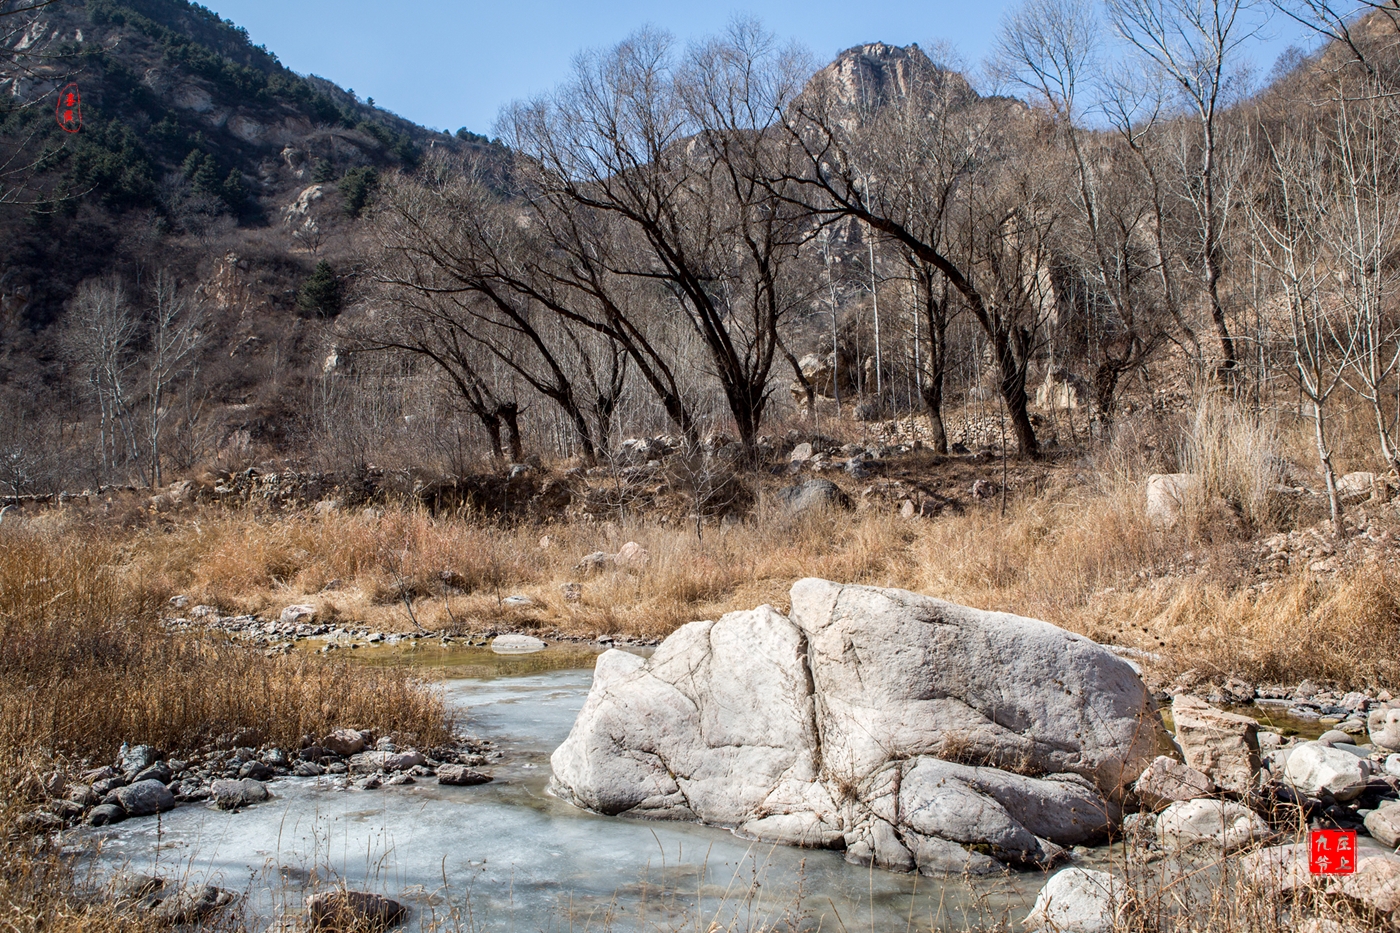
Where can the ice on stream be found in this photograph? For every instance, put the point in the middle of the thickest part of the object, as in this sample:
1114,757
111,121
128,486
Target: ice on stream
509,856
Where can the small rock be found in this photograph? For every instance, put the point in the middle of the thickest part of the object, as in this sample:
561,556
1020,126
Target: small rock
1384,728
399,779
516,644
460,776
1392,765
1384,825
518,601
1167,781
572,592
145,798
297,615
596,562
136,758
1222,823
812,495
234,795
631,556
105,814
345,910
801,453
1334,737
179,602
1078,900
257,771
192,904
344,742
308,769
366,762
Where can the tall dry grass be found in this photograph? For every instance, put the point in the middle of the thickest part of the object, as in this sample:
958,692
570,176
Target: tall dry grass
85,666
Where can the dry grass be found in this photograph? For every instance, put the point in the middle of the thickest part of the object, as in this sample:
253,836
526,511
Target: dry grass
85,665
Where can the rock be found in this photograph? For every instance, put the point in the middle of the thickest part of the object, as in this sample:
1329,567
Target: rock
368,762
400,779
256,771
192,904
1223,746
1383,726
159,771
596,562
1168,495
346,910
179,602
1335,737
1392,765
812,495
518,601
1384,825
1314,769
1078,900
136,758
764,723
344,742
1167,781
308,769
1221,823
460,776
1375,882
234,795
1355,487
631,556
801,453
516,644
145,798
572,592
105,814
297,615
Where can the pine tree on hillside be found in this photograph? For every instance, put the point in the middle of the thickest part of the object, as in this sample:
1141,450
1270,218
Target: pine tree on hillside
320,294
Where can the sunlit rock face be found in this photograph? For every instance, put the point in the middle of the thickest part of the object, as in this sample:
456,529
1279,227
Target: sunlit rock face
913,732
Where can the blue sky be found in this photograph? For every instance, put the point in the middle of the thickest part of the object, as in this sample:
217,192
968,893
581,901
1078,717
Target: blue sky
447,63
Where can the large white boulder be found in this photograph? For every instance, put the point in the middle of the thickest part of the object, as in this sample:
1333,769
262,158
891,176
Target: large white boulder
1315,769
845,725
1078,900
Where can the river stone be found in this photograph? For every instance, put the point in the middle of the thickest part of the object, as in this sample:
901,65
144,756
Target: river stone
145,798
105,813
370,762
763,723
1222,823
516,644
1314,769
137,758
1384,824
1167,781
191,904
1077,900
344,742
234,795
1223,746
347,910
1383,725
461,776
1375,882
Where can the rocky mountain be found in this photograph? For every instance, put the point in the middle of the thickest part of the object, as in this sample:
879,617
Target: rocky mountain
187,128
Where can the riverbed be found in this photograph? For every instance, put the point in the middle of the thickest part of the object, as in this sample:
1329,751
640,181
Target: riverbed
509,856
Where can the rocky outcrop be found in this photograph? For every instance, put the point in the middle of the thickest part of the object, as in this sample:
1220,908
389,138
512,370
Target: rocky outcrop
912,732
1223,746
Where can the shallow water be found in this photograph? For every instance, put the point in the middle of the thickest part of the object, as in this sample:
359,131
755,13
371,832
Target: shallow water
509,856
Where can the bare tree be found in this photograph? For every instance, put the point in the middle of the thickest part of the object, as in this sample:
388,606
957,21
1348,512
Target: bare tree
102,336
177,331
1193,45
932,169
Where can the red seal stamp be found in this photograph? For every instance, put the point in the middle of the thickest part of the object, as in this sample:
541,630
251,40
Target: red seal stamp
1332,851
69,110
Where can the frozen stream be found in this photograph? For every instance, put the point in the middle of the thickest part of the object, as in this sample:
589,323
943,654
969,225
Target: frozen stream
507,856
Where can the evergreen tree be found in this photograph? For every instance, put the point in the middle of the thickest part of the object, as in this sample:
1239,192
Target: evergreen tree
320,294
357,186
